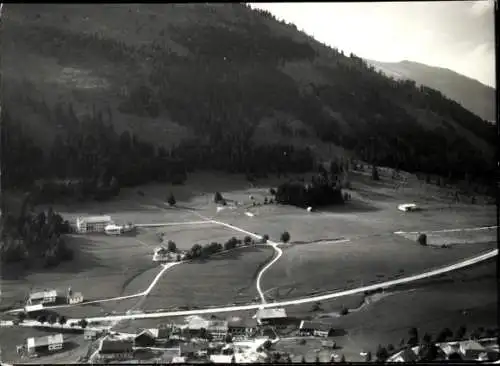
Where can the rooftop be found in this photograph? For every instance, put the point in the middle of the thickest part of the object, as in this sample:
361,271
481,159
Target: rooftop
115,345
44,341
237,321
221,358
271,313
43,294
305,324
95,219
472,345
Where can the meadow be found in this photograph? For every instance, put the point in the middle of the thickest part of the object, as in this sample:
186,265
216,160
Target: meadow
223,279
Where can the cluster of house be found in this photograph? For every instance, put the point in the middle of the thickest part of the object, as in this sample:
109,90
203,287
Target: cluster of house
469,350
52,297
100,224
162,254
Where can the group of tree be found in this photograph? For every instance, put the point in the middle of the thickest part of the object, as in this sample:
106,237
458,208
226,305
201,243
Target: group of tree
89,159
34,236
231,79
204,251
322,190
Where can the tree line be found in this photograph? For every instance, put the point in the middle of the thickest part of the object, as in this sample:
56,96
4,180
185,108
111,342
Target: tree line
34,236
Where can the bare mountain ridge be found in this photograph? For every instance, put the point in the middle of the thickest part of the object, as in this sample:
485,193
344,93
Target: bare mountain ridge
472,94
224,76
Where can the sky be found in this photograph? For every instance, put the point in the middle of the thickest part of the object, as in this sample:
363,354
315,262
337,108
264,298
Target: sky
457,35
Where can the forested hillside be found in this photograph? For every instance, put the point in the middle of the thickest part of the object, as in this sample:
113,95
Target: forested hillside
101,89
476,97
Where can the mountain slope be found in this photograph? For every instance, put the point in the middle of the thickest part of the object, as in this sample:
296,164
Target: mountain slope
217,80
473,95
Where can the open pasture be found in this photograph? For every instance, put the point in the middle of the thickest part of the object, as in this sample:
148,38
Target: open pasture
455,237
430,306
314,268
102,267
220,280
76,347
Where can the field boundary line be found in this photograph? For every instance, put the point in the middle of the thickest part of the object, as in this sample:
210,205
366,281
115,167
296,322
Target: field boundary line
447,230
382,285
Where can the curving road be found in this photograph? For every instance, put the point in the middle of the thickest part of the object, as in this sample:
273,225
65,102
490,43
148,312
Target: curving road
264,304
382,285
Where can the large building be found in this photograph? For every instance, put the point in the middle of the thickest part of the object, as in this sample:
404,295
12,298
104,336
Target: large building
112,348
49,343
42,297
93,224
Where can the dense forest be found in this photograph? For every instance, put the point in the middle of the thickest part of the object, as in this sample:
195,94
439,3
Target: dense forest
31,236
219,70
324,189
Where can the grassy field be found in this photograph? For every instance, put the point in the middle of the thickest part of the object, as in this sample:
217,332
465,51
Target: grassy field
223,279
10,337
314,268
430,306
102,267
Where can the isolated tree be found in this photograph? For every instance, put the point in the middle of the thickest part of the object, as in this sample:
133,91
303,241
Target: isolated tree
460,334
21,316
228,338
422,239
342,358
62,320
368,356
272,191
390,348
171,246
218,197
265,200
427,338
52,319
247,240
171,200
428,353
317,360
83,323
381,353
42,319
303,360
375,175
285,237
316,306
233,359
344,310
265,238
178,258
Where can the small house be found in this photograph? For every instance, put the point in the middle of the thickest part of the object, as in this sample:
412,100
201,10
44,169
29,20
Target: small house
471,350
276,317
239,327
51,343
178,359
408,207
218,329
450,348
162,333
317,329
91,334
74,298
407,355
187,350
146,338
222,358
42,297
113,348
